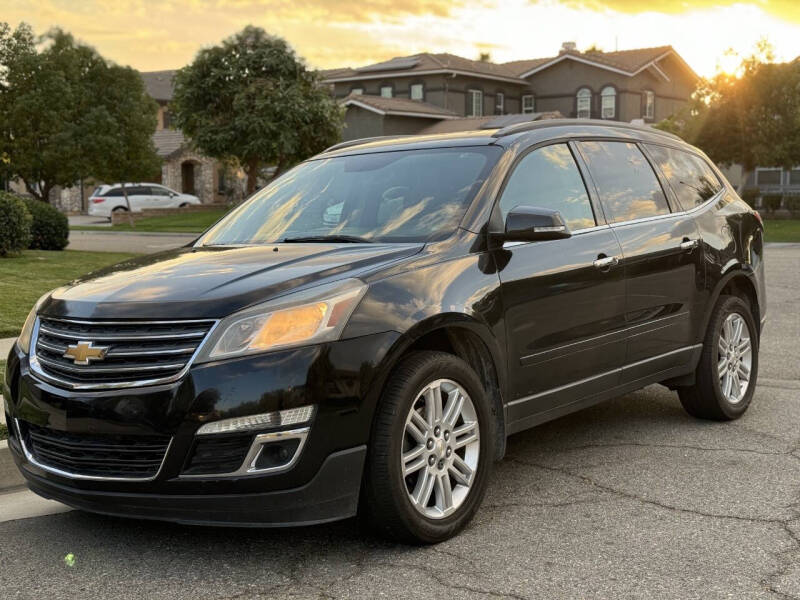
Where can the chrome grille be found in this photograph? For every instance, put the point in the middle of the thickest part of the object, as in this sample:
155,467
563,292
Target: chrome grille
137,352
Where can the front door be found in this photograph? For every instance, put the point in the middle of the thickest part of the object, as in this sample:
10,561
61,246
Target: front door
662,258
564,300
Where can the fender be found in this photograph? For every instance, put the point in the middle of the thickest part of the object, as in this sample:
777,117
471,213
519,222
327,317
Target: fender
732,271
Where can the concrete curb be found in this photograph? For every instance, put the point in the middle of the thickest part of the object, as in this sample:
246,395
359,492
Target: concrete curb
188,236
10,477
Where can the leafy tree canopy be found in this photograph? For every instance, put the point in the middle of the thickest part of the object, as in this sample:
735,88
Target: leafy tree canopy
252,101
66,113
750,117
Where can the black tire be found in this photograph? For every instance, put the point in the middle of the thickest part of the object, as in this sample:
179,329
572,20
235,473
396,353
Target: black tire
184,205
386,503
705,399
119,209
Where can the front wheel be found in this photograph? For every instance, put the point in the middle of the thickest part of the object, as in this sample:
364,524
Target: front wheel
725,379
431,451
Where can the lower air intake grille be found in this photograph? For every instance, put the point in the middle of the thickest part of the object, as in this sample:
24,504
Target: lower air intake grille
116,353
217,454
113,456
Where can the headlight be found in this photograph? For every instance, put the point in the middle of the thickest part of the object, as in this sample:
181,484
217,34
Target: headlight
308,317
24,339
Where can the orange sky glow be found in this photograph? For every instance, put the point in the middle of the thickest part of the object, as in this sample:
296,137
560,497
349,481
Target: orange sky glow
165,34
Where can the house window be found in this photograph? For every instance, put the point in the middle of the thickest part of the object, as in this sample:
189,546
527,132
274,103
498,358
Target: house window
769,177
499,103
357,91
387,91
584,103
608,103
474,103
649,105
167,118
417,91
794,177
527,104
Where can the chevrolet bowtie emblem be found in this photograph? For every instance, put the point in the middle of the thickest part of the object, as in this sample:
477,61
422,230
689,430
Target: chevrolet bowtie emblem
83,353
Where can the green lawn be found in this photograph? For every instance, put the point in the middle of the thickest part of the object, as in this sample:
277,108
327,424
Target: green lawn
24,278
190,222
782,230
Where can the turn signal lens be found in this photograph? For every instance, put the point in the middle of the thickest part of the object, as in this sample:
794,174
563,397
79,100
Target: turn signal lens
290,326
312,316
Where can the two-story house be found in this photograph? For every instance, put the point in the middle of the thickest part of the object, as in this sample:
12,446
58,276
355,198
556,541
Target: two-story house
646,84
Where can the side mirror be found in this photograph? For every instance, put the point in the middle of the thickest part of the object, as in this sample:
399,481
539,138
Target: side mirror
532,223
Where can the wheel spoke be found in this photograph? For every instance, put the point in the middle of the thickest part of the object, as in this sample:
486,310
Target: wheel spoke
744,346
738,325
726,385
743,371
413,460
444,492
736,386
461,471
455,400
417,427
422,493
723,345
464,434
722,366
433,404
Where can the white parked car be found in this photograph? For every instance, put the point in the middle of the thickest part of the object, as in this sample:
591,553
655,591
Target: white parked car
109,198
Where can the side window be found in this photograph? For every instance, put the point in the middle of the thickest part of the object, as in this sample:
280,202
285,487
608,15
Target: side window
628,187
159,191
548,177
691,178
139,190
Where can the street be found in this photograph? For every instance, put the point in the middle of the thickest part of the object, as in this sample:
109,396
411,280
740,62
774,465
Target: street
631,498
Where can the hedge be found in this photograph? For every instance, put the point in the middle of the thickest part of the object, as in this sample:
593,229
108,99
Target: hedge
50,228
15,224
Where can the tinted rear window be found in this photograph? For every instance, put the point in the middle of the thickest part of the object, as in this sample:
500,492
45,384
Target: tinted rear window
627,184
690,177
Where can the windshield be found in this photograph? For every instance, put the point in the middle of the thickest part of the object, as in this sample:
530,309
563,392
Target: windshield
402,196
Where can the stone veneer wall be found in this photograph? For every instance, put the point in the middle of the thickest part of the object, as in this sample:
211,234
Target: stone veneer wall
205,174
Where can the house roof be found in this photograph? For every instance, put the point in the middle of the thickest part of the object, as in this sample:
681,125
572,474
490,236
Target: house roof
398,106
159,85
488,122
425,63
627,62
168,141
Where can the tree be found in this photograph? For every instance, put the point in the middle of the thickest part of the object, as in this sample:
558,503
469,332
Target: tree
485,57
253,102
65,113
750,117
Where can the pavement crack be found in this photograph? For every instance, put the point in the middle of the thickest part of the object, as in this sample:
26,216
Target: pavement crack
678,446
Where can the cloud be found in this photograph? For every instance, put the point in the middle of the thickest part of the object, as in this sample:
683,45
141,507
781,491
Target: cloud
784,9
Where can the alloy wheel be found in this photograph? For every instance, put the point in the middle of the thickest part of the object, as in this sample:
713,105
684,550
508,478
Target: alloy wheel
735,358
441,446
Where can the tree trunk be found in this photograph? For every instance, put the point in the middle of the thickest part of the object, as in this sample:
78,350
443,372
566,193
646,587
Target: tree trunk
128,204
251,169
279,169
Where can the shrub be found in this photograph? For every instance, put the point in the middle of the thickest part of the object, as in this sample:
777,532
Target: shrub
793,205
15,224
772,202
50,228
750,195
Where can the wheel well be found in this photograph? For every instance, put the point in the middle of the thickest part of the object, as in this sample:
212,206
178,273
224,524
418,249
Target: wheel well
741,287
470,348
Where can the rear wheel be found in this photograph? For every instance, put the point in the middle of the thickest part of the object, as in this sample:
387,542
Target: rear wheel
726,375
184,205
430,454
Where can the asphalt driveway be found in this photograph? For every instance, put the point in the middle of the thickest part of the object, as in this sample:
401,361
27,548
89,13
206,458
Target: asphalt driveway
631,498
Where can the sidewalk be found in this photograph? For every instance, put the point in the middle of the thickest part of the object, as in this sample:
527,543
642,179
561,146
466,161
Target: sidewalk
136,242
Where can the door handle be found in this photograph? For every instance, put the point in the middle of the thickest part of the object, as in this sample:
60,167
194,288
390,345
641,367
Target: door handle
605,262
688,244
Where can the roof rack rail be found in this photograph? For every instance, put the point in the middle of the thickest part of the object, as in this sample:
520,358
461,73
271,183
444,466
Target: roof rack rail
533,125
360,141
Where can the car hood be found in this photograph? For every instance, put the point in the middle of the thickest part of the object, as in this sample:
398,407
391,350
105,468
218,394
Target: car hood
212,282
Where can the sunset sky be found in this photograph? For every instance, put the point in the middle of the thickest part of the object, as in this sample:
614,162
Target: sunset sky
164,34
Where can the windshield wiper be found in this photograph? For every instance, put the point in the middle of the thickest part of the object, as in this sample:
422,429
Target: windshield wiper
350,239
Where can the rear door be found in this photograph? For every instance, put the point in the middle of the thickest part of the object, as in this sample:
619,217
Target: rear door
161,197
662,258
564,300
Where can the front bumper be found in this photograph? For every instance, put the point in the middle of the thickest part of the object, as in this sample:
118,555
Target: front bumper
339,378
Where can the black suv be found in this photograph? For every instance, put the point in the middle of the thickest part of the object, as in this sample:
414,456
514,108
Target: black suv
366,331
